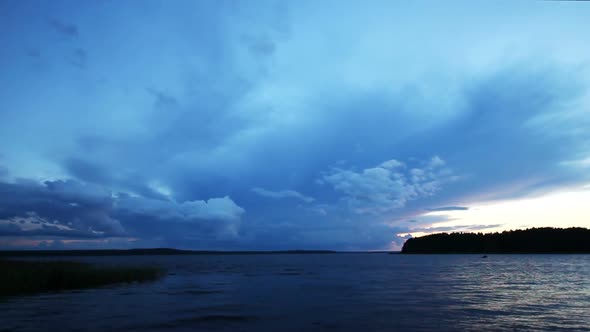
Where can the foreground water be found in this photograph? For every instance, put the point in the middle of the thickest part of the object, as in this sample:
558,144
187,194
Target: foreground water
324,292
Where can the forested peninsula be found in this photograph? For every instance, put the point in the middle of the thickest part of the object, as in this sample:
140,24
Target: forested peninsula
533,240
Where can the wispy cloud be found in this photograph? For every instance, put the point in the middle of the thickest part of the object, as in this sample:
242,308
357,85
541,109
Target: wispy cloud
448,208
65,29
454,228
282,194
78,58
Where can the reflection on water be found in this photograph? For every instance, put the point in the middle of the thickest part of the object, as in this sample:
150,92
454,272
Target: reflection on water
342,292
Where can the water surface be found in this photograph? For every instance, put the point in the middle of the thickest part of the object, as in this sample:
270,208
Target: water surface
324,292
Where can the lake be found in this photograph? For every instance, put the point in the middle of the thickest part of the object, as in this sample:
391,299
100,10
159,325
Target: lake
324,292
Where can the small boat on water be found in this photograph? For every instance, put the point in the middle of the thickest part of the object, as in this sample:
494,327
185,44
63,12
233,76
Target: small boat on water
484,256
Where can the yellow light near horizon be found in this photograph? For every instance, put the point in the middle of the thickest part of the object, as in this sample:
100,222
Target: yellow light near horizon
565,209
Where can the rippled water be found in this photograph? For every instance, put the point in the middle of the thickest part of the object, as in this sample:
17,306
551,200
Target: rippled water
333,292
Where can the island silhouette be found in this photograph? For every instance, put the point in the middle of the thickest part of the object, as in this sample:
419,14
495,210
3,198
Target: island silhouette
533,240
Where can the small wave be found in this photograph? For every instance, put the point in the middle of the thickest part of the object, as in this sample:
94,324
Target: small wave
194,292
202,291
222,318
289,274
206,319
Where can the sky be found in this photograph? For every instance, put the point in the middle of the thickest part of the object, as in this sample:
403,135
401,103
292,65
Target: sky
275,125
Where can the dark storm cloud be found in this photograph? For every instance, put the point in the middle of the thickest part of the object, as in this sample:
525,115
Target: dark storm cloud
43,229
503,127
506,154
73,209
183,126
59,207
96,173
87,171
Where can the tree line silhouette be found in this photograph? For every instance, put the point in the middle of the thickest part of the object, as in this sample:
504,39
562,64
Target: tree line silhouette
533,240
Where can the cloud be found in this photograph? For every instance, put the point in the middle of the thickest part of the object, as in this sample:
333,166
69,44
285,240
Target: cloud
77,210
388,186
33,225
454,228
579,163
448,208
3,172
283,194
259,45
33,52
162,100
68,30
68,208
98,174
200,222
216,209
78,58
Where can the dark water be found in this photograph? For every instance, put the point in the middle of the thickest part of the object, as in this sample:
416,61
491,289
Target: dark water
338,292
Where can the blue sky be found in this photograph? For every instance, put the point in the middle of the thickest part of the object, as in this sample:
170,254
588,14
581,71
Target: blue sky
289,124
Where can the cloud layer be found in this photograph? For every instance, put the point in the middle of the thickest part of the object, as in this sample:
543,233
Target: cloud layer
280,125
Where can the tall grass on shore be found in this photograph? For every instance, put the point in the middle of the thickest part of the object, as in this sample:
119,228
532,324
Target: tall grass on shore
29,277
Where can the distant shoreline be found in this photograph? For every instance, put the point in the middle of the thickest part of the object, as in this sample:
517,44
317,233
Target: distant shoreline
530,241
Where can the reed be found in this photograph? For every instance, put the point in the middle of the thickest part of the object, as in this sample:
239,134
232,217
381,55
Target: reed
29,277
